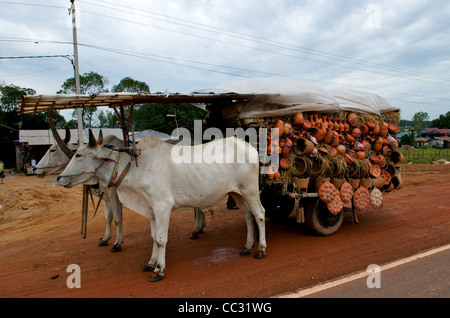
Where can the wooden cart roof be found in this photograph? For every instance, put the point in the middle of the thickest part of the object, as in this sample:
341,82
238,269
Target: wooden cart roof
42,103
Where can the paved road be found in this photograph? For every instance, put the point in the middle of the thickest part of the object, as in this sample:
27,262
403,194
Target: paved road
426,275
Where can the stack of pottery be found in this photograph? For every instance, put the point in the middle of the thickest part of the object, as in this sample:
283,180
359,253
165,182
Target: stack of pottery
367,146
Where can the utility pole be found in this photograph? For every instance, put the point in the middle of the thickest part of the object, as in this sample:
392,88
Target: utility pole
77,73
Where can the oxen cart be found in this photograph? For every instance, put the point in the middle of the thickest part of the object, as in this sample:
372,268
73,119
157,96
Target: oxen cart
320,152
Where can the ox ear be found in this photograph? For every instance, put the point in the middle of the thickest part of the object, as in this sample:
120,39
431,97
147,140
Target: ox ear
92,140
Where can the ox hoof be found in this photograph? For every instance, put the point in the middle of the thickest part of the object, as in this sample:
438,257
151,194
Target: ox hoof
148,268
102,243
116,248
194,236
260,254
245,251
156,277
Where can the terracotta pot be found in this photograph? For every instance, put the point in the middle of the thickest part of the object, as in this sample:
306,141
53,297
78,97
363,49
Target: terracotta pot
328,136
389,187
287,129
352,119
320,134
319,181
280,127
341,126
301,183
337,182
375,170
384,128
333,152
386,177
346,127
285,164
397,157
303,146
348,159
397,182
287,147
391,169
364,130
301,167
366,183
393,129
376,129
378,182
335,139
350,138
271,173
306,124
371,124
361,155
378,144
356,132
277,176
298,119
340,149
354,183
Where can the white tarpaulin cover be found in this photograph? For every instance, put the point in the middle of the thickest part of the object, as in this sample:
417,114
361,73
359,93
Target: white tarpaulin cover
362,102
278,96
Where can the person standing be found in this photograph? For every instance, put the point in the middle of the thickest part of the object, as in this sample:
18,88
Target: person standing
2,171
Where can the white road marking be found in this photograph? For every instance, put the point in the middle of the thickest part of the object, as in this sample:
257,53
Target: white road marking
362,274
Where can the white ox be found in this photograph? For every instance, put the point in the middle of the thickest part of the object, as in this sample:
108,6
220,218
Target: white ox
159,185
55,161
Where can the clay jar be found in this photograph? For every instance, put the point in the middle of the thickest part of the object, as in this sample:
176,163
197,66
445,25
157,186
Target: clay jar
287,129
352,119
280,126
320,134
356,132
378,144
328,136
287,147
298,119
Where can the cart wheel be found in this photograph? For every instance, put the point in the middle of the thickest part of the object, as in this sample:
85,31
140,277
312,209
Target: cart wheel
319,220
278,207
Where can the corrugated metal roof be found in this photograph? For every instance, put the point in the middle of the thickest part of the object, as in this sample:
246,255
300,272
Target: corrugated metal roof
45,136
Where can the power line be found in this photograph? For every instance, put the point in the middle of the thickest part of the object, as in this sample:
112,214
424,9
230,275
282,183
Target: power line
261,40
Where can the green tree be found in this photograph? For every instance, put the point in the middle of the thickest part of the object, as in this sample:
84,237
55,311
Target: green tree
442,122
90,83
420,120
10,120
129,85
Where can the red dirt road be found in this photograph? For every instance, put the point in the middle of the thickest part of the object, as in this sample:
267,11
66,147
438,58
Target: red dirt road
40,237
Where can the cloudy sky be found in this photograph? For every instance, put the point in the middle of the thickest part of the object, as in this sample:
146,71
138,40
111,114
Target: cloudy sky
398,49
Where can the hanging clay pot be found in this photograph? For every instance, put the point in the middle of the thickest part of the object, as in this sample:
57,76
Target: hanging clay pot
320,134
277,176
376,129
364,130
301,166
375,170
397,157
361,199
287,129
337,182
350,139
356,132
319,181
271,173
371,124
328,136
389,187
303,146
378,182
378,144
346,126
361,155
366,183
384,128
298,119
341,126
354,183
340,149
397,182
352,119
287,147
284,163
393,129
306,124
333,152
346,192
385,150
335,139
301,183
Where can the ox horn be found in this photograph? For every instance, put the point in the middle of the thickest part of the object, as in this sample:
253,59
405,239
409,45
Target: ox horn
92,140
100,138
68,136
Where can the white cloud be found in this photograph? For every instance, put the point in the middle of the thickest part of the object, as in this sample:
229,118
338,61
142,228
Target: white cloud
327,41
